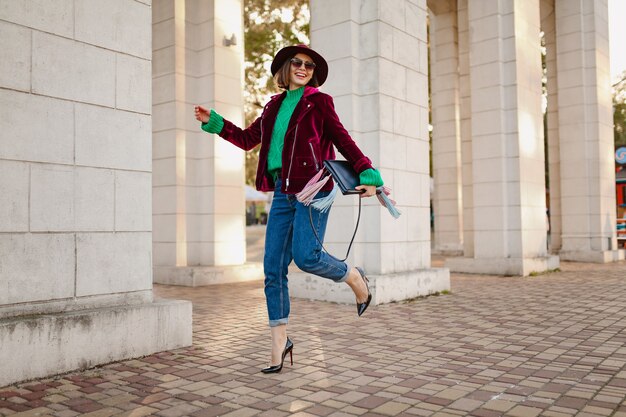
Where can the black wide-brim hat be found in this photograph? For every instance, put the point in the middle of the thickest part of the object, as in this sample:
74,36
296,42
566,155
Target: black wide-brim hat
288,52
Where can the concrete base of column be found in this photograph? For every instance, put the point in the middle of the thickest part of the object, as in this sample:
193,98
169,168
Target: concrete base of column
499,266
195,276
385,288
49,344
594,256
448,250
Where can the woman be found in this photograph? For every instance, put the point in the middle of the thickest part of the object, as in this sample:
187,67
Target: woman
297,130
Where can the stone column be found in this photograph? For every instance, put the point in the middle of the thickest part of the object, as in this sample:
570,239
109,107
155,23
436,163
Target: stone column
75,190
465,114
199,209
378,76
446,142
586,132
552,119
507,141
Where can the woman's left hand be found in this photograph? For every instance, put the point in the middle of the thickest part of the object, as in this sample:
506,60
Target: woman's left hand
370,190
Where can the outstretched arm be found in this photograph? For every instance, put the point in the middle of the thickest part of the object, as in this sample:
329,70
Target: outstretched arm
212,122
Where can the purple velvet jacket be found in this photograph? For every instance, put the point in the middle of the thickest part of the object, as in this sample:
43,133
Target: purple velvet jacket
313,130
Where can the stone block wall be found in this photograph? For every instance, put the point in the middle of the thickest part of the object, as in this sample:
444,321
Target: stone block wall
75,153
75,189
198,179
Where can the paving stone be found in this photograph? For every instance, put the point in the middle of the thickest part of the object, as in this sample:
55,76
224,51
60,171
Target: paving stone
274,413
294,406
334,404
481,412
212,411
370,402
70,413
554,343
138,412
498,405
353,410
451,394
242,412
524,411
550,413
105,412
465,404
39,411
391,408
600,411
321,396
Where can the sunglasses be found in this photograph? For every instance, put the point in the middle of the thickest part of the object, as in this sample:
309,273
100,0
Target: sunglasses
297,63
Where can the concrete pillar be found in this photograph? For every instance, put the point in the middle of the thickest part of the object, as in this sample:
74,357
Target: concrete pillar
378,76
198,180
446,142
507,141
75,190
465,114
586,132
552,118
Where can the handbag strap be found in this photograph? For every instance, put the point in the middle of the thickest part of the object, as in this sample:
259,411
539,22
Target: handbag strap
351,240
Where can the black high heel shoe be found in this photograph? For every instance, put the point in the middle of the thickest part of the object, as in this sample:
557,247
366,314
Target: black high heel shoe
361,307
277,368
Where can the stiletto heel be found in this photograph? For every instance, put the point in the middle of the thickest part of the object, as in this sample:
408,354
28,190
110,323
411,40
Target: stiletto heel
277,368
361,307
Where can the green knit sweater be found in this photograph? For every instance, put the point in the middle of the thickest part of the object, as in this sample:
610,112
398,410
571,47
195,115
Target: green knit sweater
274,157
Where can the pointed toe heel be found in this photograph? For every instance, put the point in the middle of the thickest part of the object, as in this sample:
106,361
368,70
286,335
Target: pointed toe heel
277,368
361,307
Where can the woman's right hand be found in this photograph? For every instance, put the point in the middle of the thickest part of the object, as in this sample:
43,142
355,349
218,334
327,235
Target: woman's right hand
202,114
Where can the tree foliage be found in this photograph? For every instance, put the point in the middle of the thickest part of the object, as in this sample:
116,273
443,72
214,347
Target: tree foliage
269,26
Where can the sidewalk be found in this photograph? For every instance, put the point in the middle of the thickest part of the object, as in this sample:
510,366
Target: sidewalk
551,345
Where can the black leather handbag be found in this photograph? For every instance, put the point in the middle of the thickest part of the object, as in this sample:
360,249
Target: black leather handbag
343,174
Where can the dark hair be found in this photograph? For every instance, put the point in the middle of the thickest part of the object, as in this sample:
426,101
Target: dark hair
281,78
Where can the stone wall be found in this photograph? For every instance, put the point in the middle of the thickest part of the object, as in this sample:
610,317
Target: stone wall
75,182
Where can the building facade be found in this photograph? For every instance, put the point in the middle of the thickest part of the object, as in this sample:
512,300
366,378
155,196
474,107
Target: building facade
107,183
488,134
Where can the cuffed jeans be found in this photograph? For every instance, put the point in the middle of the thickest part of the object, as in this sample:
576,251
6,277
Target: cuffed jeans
289,237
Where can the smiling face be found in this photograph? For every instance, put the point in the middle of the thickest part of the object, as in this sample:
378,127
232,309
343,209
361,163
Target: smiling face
299,74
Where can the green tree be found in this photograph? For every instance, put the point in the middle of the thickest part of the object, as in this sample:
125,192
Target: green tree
619,111
269,26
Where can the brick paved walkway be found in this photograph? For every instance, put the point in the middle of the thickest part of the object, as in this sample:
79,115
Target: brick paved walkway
551,345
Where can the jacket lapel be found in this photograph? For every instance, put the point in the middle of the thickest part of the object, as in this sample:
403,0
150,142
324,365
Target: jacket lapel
303,107
269,118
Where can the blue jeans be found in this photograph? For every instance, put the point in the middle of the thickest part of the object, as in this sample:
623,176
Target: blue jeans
289,237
